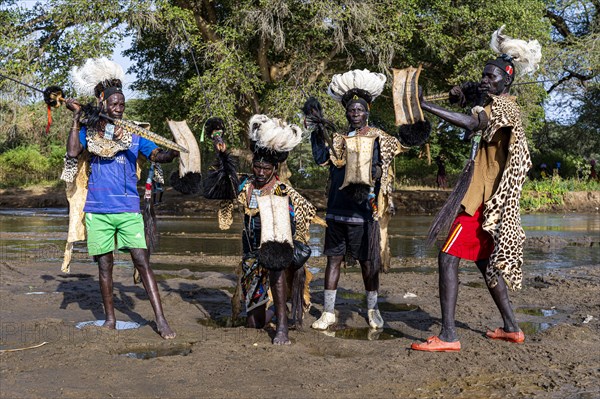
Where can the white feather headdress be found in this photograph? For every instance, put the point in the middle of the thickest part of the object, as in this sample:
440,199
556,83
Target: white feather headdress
370,82
274,134
94,71
525,55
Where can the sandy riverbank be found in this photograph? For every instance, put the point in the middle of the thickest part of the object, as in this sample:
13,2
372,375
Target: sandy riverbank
560,358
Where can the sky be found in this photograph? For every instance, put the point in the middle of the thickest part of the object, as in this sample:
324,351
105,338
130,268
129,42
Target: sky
125,62
117,56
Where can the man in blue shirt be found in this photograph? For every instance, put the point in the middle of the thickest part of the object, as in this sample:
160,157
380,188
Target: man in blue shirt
112,205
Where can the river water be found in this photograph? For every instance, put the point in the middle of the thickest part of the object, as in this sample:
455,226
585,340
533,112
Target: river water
566,240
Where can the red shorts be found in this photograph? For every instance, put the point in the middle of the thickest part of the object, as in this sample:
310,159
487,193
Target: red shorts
467,239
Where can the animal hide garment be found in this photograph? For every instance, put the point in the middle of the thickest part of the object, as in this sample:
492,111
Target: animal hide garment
276,245
359,159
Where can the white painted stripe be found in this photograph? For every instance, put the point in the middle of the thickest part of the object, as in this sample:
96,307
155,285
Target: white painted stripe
454,239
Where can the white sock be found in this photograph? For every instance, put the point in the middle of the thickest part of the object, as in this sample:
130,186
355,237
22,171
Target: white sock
371,299
329,301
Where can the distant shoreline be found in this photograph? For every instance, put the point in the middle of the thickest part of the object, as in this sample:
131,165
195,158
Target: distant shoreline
407,202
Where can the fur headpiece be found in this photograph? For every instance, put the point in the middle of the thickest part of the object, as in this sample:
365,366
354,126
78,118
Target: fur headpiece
99,77
356,84
524,56
272,139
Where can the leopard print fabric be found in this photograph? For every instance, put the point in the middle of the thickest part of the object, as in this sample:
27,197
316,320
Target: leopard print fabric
304,213
502,218
102,147
98,146
69,169
225,214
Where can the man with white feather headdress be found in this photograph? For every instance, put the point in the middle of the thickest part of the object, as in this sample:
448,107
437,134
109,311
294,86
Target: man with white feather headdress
484,205
101,168
276,223
359,201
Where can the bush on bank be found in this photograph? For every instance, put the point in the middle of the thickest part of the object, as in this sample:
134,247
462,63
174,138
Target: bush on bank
543,194
29,164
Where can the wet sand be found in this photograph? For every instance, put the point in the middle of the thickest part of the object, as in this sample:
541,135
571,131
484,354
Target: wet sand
559,359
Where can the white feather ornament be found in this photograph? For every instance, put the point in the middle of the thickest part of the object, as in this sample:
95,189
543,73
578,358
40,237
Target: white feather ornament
526,55
94,71
371,82
274,134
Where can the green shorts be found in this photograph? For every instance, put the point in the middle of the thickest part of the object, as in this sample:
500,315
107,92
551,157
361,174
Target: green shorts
102,228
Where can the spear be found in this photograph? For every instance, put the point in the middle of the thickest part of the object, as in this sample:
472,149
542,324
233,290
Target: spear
53,97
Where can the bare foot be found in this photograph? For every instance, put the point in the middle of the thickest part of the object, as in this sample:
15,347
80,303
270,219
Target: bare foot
110,324
164,330
281,338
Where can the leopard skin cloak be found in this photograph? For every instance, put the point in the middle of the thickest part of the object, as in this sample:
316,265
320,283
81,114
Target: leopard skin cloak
502,218
76,191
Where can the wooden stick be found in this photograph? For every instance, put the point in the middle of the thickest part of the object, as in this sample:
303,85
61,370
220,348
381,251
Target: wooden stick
22,349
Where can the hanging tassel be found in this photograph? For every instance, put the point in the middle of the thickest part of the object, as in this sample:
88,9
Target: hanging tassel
53,96
374,232
49,119
150,228
375,248
298,297
222,180
236,299
447,214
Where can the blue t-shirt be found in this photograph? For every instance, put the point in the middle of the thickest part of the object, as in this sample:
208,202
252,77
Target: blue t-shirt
112,186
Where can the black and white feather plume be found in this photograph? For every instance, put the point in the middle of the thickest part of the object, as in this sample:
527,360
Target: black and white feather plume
94,71
273,134
362,81
526,55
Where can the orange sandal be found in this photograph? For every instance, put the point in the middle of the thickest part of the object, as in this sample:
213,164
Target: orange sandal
499,333
434,344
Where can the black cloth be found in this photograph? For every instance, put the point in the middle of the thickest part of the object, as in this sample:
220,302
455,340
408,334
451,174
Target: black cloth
343,238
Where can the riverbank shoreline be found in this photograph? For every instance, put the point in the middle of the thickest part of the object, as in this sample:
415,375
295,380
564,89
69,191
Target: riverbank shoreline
557,308
407,202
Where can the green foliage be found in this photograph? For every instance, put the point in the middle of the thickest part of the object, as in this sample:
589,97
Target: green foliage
539,195
29,165
267,56
578,137
571,166
414,171
573,57
305,173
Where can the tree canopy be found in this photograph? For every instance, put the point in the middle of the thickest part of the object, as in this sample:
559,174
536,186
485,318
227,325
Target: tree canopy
199,58
263,56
